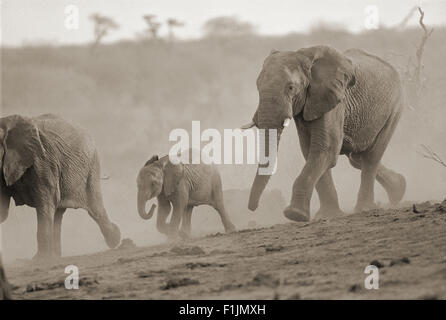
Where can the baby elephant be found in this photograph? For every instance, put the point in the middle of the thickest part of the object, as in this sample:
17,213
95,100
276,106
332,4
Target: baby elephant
181,186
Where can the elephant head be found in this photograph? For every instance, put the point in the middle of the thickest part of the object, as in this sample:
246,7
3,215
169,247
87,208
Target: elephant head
150,185
156,177
308,82
20,145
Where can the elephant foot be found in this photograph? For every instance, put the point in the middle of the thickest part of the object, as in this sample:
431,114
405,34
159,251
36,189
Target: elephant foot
38,257
328,214
41,257
5,287
230,228
57,254
398,189
163,229
112,236
297,215
184,234
174,237
366,207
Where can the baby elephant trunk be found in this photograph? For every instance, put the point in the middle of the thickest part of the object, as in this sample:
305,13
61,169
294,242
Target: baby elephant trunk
142,200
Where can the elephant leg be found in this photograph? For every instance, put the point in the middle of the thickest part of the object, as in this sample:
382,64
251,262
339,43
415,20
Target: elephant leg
57,231
370,165
219,205
393,182
320,144
5,288
366,195
163,212
328,197
185,230
98,213
175,220
227,224
5,199
299,208
45,226
179,206
109,230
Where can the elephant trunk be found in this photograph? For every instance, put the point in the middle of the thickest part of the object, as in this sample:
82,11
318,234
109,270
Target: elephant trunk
267,119
142,200
259,184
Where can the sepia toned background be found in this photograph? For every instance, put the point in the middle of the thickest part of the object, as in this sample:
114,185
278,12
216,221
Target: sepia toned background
131,87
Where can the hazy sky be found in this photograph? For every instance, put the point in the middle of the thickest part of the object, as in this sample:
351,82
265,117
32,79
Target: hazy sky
35,21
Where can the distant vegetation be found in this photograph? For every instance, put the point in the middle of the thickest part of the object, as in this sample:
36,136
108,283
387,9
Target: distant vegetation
228,27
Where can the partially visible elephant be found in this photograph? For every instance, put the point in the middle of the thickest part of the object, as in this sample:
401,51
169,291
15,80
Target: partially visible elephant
342,103
5,289
181,186
51,165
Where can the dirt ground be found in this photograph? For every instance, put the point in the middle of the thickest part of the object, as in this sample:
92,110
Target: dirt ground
316,260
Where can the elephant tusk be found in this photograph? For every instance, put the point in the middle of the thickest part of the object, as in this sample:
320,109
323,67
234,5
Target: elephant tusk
247,126
286,122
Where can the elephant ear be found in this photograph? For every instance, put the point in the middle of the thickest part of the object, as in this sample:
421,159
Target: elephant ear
22,144
330,74
151,160
172,176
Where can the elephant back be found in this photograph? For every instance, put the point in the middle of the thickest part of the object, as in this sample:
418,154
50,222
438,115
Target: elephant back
65,135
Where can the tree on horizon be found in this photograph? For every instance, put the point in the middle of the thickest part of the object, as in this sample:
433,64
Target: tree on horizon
102,26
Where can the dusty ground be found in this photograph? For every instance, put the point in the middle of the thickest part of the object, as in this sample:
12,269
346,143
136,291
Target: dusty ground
324,259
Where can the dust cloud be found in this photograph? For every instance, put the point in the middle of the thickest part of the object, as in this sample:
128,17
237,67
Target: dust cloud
130,95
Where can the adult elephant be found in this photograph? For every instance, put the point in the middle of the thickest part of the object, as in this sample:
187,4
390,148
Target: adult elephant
51,165
342,103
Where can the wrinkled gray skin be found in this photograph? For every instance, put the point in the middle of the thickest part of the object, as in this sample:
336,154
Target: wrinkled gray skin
5,289
342,103
51,165
181,187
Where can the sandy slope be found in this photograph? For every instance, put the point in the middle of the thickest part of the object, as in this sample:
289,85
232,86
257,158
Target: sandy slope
324,259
